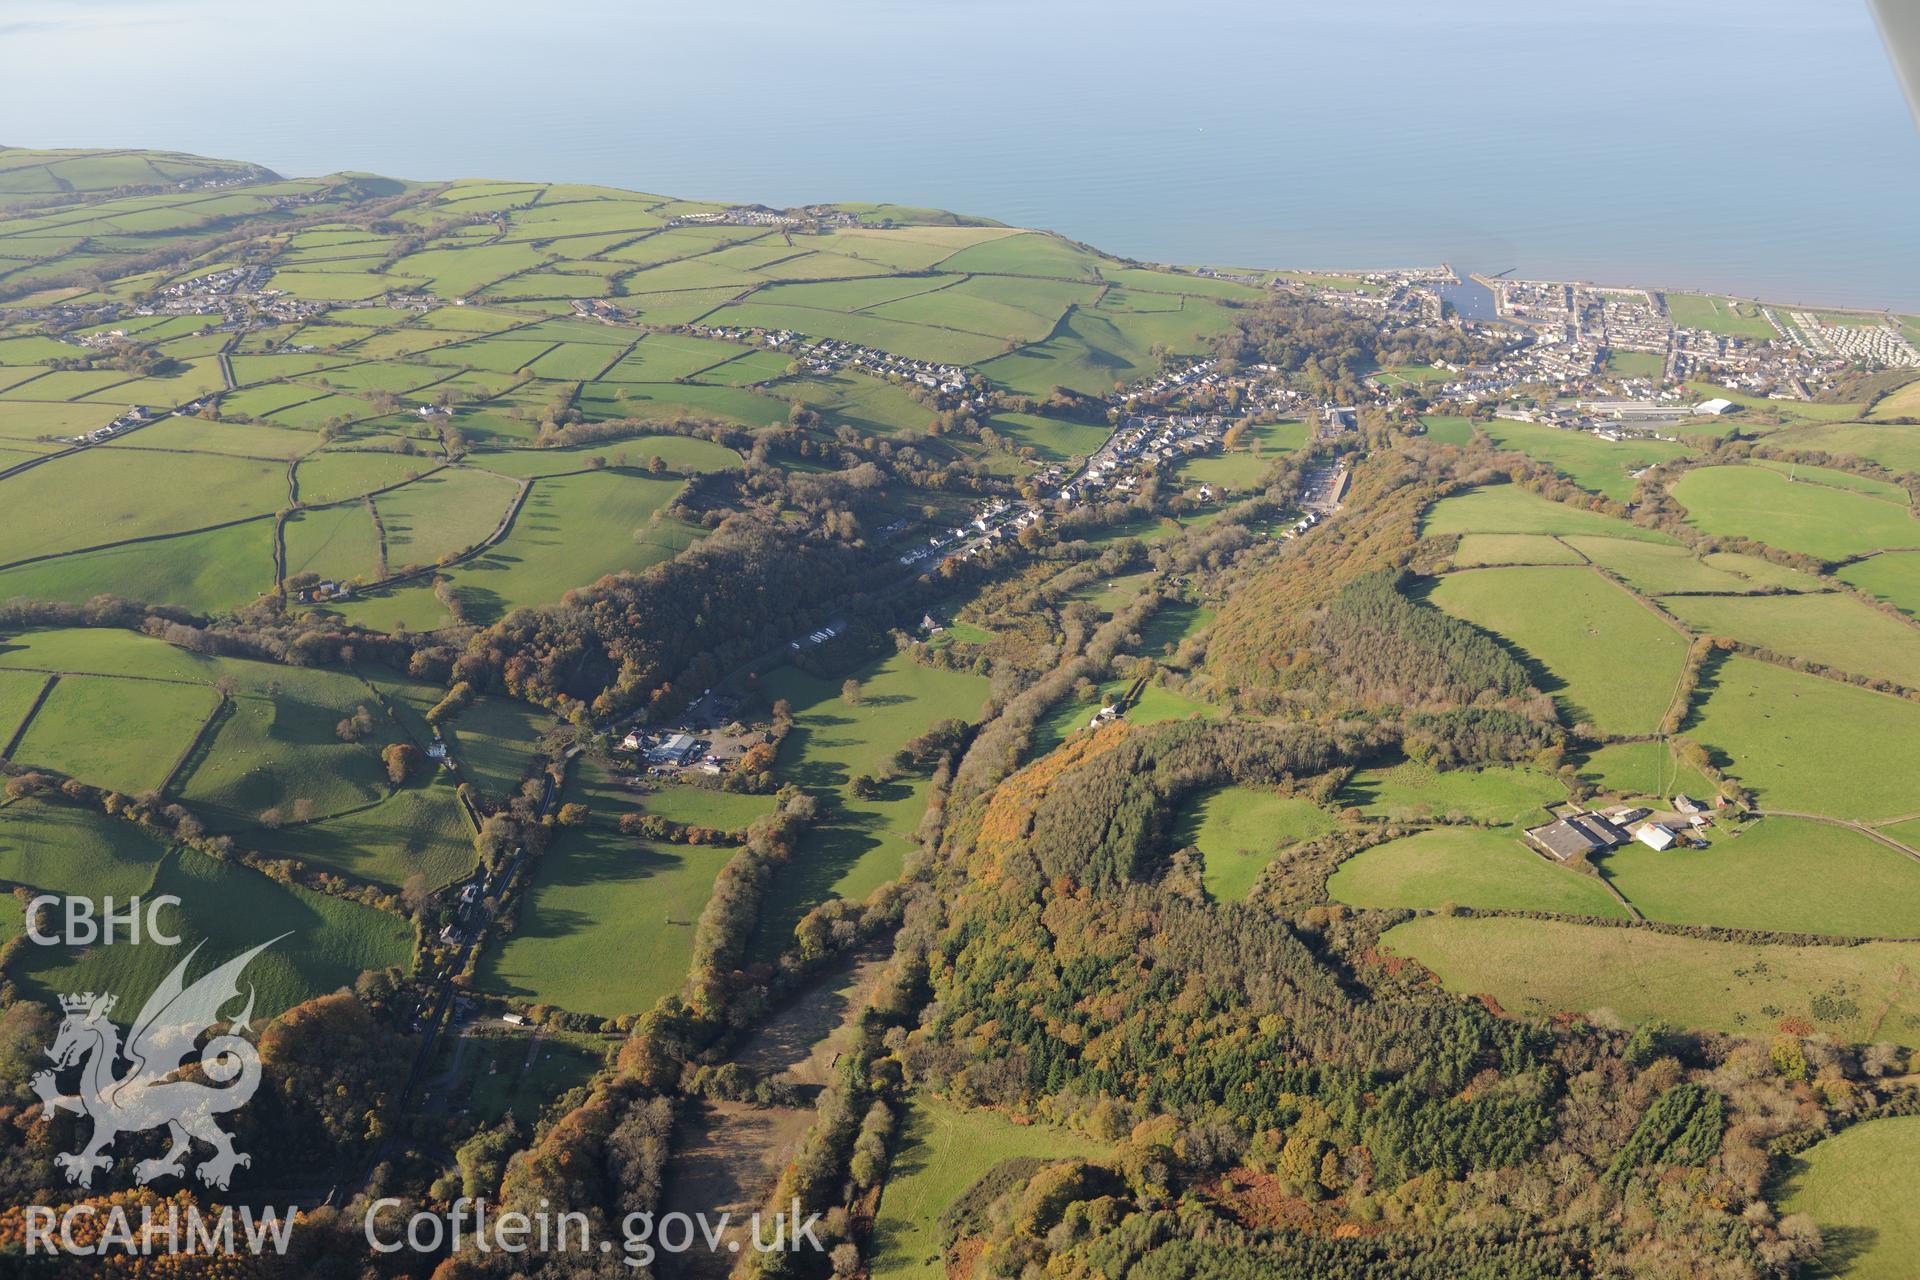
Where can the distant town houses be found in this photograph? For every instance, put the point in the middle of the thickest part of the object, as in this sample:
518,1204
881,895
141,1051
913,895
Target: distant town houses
760,216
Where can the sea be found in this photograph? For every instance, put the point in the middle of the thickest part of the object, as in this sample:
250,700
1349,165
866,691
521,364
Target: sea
1754,147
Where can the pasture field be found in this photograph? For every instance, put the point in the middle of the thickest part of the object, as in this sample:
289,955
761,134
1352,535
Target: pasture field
685,454
1834,630
1718,315
1093,352
1753,502
1158,704
1895,447
1765,573
1411,792
1477,549
67,848
495,1078
1761,877
1603,656
1238,830
1448,429
417,831
1604,466
1803,473
1243,468
101,651
1805,744
238,439
707,807
942,1151
216,570
570,532
1893,576
1468,866
18,692
120,734
275,745
228,909
1858,1185
1648,769
441,514
335,542
492,741
1052,439
101,496
1173,622
859,843
1655,568
1507,508
403,608
608,925
340,474
1856,994
1903,403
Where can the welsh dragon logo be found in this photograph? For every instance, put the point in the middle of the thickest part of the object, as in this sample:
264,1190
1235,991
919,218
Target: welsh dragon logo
148,1094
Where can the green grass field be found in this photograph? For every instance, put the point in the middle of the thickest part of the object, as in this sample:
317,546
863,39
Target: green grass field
215,571
441,514
63,848
859,844
1894,447
1507,508
18,692
335,542
493,741
120,734
1448,429
226,910
1834,630
503,1075
1753,502
1239,830
1604,657
1478,549
1858,1185
1411,792
1468,866
417,831
1604,466
101,496
1893,576
1760,879
1648,769
1053,439
275,745
1809,745
1655,569
608,926
570,532
1538,967
942,1150
1835,479
707,807
341,474
1719,315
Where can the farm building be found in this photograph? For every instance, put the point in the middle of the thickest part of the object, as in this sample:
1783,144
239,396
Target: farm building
1581,833
1656,836
674,750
